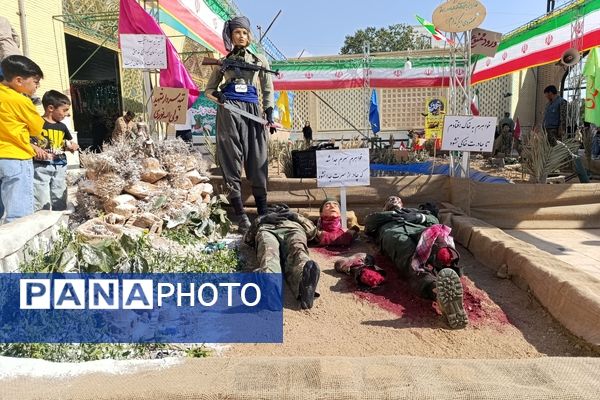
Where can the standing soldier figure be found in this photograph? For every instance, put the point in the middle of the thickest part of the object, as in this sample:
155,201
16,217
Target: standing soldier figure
242,140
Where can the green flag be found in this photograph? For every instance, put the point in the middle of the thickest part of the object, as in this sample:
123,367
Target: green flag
592,99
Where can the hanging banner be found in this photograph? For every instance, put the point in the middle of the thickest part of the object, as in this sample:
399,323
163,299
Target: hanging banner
485,42
350,73
169,105
543,41
435,107
200,20
205,117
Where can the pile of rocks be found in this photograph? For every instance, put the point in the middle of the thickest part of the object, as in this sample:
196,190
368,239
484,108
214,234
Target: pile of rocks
134,185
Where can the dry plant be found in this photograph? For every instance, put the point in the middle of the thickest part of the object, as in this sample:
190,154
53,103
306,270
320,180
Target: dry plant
212,150
587,137
355,143
540,159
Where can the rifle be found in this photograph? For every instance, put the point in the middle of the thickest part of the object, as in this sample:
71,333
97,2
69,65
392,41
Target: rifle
228,63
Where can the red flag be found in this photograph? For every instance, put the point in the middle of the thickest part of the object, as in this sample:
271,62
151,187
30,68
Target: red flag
133,19
517,132
475,105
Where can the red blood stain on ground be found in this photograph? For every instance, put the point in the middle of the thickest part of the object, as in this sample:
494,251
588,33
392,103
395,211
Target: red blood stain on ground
331,251
396,297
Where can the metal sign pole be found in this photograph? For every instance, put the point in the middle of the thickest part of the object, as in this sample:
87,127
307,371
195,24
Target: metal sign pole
343,207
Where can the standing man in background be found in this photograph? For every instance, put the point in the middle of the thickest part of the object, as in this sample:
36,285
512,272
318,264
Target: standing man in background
308,133
508,121
124,126
555,115
10,43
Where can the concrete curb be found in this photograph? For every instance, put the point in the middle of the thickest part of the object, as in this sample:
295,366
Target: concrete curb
28,234
570,295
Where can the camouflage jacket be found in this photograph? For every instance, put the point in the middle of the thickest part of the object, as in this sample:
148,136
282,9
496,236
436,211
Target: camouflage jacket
297,221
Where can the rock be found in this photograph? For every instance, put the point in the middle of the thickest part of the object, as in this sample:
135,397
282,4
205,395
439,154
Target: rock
502,272
195,194
153,175
141,190
206,199
163,183
123,199
152,170
190,163
208,189
96,230
182,182
125,210
151,163
114,219
195,177
146,220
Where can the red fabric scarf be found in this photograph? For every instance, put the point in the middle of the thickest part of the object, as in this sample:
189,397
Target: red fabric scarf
332,232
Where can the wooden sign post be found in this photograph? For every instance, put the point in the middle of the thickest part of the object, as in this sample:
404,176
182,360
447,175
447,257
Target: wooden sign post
459,15
169,105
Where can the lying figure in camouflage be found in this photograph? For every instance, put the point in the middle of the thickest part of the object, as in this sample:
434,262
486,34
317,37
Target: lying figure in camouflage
281,237
423,252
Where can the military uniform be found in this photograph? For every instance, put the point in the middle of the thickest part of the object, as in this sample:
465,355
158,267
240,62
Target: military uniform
241,141
398,240
285,241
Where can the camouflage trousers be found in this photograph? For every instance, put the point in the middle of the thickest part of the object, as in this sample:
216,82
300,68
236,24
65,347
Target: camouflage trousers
283,249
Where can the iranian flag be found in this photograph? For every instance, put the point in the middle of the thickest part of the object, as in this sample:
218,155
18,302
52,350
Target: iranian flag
436,33
475,104
543,41
517,132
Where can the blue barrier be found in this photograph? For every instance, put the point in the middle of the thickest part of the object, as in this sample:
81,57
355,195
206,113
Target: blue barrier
425,168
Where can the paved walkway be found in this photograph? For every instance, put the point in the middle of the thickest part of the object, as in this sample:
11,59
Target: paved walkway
578,247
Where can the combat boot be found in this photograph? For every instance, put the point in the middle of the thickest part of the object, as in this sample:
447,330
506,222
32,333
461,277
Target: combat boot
308,284
450,298
243,223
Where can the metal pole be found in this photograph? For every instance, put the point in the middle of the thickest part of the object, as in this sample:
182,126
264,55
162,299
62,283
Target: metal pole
367,85
262,35
23,22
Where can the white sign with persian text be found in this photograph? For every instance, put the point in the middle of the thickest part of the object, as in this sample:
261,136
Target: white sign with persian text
342,168
469,133
144,51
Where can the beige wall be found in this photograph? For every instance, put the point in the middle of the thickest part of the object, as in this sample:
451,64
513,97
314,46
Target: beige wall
523,100
46,39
